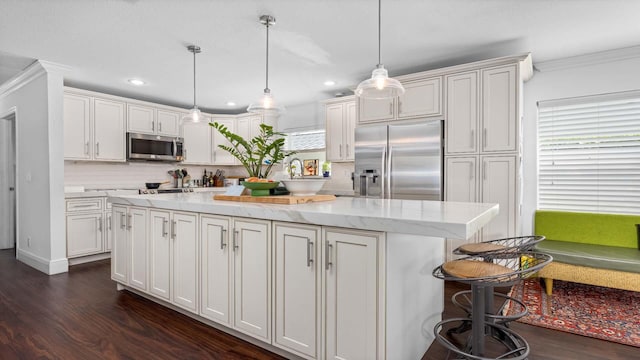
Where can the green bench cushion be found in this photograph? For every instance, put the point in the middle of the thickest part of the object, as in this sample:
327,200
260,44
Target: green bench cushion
588,228
596,256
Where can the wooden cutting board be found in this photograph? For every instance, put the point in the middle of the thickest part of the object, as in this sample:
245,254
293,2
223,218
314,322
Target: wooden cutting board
275,199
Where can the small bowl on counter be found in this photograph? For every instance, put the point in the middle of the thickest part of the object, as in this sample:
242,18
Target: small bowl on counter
304,186
260,188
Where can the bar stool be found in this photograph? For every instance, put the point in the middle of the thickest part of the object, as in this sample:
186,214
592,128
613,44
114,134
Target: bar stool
493,249
483,273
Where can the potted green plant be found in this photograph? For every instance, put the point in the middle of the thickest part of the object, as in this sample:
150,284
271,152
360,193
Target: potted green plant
257,155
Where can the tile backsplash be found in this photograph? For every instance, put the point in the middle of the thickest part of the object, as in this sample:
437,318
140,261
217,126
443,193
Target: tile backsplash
133,175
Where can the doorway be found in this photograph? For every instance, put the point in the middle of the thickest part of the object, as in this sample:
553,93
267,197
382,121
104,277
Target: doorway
8,182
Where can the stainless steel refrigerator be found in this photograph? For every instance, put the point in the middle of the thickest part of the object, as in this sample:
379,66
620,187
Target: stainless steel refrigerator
401,161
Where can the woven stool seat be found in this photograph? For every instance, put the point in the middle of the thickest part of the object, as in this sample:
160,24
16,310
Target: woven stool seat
474,269
478,248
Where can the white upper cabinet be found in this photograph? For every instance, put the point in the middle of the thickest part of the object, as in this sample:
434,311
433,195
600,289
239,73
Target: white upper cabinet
109,130
149,120
197,147
168,122
372,110
77,127
499,109
462,113
141,119
340,120
421,99
220,156
94,128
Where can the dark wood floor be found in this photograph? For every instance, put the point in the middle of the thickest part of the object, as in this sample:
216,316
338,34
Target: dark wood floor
80,315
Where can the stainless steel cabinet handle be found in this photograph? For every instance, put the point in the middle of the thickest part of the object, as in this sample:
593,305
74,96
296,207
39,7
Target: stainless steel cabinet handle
164,228
327,259
391,108
97,148
129,218
109,223
484,170
223,232
473,138
347,150
484,138
122,221
309,247
184,153
153,126
86,148
173,229
340,150
235,239
399,107
159,126
100,224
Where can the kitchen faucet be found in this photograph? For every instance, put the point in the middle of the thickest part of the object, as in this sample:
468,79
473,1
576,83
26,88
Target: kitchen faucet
298,170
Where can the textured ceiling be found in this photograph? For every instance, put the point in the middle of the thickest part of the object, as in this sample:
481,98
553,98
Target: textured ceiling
106,42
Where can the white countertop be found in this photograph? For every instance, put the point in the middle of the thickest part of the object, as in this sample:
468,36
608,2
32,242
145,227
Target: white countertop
432,218
118,192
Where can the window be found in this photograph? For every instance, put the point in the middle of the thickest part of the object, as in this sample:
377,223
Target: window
308,140
589,154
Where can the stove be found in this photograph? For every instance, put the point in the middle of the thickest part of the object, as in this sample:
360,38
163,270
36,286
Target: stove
164,191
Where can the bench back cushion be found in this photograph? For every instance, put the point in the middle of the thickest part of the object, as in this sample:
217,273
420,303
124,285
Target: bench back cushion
588,228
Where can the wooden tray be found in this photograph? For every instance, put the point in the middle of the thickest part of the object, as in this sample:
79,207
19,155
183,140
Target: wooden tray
275,199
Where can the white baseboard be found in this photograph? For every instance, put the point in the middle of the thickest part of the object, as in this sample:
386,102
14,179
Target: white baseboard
89,258
49,267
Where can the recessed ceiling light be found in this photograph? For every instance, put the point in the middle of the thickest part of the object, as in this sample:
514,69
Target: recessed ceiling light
231,103
136,82
329,83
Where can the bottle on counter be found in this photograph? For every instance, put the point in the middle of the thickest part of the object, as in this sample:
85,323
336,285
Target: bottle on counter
204,178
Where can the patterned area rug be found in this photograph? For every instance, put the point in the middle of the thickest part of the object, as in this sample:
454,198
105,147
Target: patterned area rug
593,311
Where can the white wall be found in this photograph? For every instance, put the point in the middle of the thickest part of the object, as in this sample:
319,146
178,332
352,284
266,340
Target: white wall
592,74
36,97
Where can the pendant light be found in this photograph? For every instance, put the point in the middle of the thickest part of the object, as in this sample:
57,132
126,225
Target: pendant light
380,85
194,114
266,105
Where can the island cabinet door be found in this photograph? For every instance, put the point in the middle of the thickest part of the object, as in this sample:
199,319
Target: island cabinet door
159,254
185,260
120,242
216,272
351,294
297,288
137,227
251,244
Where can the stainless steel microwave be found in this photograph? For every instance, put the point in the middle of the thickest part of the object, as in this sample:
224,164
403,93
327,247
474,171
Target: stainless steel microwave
154,147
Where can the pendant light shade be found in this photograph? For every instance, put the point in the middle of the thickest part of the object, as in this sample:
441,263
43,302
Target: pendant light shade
195,115
266,104
380,85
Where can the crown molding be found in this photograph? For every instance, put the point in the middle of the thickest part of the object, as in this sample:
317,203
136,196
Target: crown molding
31,72
589,59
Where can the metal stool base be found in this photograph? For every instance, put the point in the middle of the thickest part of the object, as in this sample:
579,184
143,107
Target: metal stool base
516,347
463,300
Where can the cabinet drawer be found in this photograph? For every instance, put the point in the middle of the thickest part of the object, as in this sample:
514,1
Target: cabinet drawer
88,204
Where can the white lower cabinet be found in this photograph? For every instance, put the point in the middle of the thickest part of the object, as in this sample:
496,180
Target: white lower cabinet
297,288
236,273
84,234
173,257
351,294
129,263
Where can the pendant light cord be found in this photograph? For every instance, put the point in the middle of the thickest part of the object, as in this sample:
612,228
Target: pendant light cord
194,78
379,31
266,86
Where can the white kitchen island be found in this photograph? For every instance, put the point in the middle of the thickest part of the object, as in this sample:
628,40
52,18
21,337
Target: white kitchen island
344,279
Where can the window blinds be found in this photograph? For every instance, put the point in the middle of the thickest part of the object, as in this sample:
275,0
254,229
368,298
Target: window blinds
309,140
589,154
